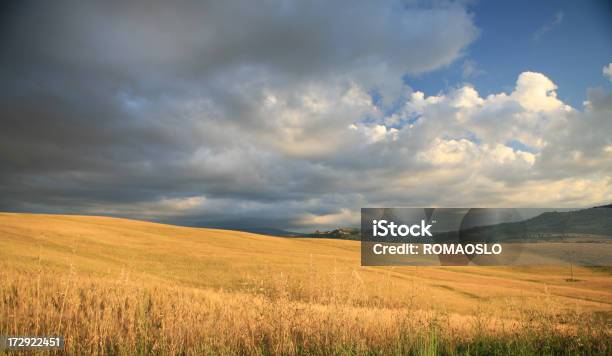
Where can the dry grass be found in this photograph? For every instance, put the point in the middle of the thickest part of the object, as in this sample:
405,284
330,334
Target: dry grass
113,286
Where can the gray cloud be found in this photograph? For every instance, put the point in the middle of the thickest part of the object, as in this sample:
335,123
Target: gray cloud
225,113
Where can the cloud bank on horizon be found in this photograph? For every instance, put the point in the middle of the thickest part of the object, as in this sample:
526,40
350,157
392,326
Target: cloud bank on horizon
289,114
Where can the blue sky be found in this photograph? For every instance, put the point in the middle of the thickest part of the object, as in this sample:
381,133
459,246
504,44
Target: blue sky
568,41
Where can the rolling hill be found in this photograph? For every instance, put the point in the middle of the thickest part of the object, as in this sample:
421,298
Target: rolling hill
63,273
211,258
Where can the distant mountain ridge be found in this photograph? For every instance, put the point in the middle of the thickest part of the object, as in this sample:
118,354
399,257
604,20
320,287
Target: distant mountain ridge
592,221
270,231
553,224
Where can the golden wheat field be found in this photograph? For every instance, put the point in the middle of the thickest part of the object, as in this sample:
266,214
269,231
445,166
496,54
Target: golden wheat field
117,286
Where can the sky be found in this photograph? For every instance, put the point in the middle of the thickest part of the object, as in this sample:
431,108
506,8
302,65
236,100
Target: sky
294,115
564,40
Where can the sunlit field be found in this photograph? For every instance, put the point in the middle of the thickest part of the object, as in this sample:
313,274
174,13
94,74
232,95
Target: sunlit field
129,287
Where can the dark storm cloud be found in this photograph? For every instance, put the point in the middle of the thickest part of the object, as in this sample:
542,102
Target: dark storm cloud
107,107
228,112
